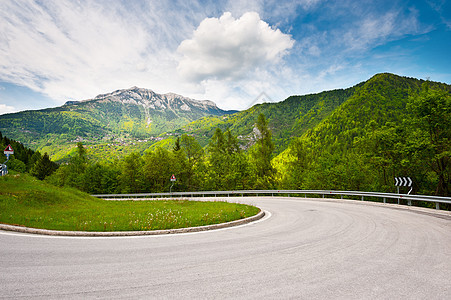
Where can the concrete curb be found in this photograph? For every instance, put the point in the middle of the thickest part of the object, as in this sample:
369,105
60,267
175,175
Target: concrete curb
6,227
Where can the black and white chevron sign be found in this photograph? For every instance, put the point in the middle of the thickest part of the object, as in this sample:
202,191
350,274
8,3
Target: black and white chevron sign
403,181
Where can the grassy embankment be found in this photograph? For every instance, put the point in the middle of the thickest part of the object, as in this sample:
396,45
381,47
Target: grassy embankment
29,202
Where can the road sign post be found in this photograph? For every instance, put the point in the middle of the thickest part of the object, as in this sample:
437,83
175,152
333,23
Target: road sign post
404,181
8,151
173,179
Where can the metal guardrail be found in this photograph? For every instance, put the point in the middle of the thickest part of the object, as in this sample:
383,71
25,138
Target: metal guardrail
434,199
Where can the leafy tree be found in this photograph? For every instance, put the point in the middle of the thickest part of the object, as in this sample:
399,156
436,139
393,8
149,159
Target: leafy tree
74,173
232,144
60,176
430,140
192,149
80,159
180,168
194,153
91,179
383,149
157,170
227,167
261,153
110,181
130,179
17,165
99,179
239,177
43,167
217,161
33,159
294,165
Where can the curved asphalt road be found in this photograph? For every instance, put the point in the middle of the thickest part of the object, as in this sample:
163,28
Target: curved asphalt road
306,249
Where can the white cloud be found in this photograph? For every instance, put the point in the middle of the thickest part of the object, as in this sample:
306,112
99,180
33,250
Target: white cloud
69,49
229,48
442,7
374,30
238,8
5,109
277,81
274,10
78,49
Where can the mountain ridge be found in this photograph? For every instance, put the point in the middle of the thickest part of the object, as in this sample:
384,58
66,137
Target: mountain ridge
120,117
135,119
134,94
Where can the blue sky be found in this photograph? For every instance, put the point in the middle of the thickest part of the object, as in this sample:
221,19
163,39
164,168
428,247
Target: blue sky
229,52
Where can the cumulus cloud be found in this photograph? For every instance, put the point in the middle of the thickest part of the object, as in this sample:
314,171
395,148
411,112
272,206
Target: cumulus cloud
229,48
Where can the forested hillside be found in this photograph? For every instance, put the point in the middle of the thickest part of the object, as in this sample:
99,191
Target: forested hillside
386,129
359,138
287,119
131,119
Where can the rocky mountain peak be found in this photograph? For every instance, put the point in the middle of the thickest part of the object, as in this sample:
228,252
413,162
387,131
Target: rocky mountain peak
150,103
151,100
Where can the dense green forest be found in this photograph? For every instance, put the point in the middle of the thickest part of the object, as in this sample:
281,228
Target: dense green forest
359,139
374,137
287,119
221,165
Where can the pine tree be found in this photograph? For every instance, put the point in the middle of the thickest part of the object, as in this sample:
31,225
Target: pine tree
43,167
177,146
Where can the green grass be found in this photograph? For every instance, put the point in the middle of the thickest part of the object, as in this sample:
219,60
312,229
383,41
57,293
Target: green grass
26,201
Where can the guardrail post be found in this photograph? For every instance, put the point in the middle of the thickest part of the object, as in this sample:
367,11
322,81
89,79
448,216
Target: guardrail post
362,198
437,205
385,200
409,202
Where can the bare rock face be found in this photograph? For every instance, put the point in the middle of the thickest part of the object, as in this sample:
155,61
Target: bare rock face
151,100
142,112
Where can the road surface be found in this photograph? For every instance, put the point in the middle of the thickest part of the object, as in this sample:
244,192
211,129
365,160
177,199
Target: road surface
303,248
